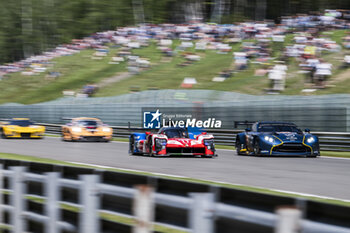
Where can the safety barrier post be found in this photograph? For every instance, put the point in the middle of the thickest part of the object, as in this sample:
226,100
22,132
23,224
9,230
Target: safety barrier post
89,217
288,220
1,192
52,192
202,213
17,199
143,209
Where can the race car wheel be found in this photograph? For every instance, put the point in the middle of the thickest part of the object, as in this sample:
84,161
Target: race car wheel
132,146
70,138
3,134
150,150
238,147
256,148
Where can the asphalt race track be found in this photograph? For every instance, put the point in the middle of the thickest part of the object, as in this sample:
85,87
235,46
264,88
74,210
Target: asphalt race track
317,176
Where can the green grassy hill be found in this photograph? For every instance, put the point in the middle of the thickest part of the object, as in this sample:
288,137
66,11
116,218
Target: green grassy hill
164,73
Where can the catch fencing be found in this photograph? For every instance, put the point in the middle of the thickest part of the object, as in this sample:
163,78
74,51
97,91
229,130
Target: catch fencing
329,141
324,113
53,198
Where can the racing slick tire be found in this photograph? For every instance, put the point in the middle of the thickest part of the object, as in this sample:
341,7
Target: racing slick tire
238,146
256,148
150,153
69,140
3,136
132,146
62,137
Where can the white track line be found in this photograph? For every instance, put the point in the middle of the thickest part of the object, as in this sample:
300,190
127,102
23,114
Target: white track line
219,182
328,157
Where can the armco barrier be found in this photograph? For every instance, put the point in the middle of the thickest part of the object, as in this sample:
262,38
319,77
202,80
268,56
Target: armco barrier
34,196
329,141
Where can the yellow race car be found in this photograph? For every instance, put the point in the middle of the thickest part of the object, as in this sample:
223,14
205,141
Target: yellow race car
21,128
86,129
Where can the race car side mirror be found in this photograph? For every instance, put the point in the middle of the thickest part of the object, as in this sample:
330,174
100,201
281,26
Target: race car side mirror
307,130
204,133
147,133
248,130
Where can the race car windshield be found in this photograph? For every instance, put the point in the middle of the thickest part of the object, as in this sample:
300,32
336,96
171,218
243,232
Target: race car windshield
22,123
279,128
176,133
88,123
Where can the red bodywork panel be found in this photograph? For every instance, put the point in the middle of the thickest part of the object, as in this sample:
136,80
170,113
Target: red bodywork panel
184,146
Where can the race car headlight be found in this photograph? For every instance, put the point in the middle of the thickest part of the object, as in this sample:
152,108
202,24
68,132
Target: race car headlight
160,144
107,130
269,139
310,140
209,143
76,129
161,141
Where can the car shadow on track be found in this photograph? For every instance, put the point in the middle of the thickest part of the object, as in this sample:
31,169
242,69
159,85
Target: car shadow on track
177,156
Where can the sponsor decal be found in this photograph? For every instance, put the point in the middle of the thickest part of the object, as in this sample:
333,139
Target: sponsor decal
156,119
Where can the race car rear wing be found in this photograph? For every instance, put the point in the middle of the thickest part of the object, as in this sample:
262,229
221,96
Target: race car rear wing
246,123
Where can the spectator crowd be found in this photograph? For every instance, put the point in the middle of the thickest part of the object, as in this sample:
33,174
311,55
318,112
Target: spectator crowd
262,43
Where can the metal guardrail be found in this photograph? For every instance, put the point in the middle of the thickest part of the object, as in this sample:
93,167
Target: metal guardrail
205,211
329,141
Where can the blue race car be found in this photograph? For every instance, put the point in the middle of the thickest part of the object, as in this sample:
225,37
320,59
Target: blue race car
276,138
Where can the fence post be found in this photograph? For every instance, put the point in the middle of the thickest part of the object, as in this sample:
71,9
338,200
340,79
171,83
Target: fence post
17,199
288,220
143,209
202,213
89,220
2,193
52,192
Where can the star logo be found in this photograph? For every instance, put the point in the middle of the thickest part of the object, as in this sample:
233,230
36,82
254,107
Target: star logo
151,120
156,115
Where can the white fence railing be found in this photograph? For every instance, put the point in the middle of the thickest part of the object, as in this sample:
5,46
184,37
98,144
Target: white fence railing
201,209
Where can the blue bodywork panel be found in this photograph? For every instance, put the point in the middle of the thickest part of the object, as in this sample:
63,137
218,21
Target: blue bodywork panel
137,137
194,132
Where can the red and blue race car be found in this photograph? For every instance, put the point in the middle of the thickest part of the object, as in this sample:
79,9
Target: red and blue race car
173,141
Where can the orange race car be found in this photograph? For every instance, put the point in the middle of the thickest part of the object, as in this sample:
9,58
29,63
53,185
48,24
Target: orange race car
86,129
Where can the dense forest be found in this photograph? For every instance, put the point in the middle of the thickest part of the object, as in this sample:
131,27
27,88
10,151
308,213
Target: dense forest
31,26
